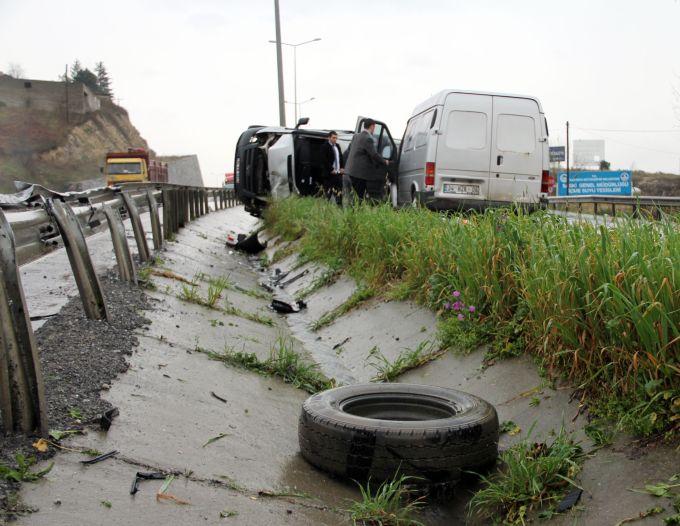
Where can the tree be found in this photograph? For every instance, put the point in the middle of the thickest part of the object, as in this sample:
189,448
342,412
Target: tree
15,70
604,165
103,80
88,78
75,69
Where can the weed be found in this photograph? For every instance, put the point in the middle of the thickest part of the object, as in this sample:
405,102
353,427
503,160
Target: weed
391,504
91,452
532,475
357,298
252,316
326,278
407,360
509,427
106,503
283,362
215,289
216,323
600,435
75,413
23,473
190,293
224,514
535,401
144,277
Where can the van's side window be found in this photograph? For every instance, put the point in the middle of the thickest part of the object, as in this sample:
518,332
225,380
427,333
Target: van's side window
466,130
423,127
516,133
409,134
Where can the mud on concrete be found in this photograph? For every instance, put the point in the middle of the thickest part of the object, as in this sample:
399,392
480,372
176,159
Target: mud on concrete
80,358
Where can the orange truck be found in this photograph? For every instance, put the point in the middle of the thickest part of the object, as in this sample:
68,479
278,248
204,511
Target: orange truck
134,166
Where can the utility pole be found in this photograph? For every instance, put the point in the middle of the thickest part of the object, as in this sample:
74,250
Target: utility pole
279,65
568,158
66,87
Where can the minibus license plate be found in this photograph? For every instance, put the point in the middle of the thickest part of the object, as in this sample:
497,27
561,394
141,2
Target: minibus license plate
461,189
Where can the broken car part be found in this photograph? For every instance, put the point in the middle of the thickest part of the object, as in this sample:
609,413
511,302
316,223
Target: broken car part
143,475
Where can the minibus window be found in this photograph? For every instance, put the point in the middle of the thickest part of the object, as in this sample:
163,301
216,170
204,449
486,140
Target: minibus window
434,118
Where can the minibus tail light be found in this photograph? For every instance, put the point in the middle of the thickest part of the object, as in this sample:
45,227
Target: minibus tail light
429,174
547,182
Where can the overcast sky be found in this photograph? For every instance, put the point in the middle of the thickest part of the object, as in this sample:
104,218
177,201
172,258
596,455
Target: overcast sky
194,75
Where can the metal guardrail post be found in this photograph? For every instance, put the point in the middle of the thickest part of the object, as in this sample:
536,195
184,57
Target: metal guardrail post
137,228
214,195
83,270
201,202
155,220
206,199
22,391
126,265
182,216
167,213
192,204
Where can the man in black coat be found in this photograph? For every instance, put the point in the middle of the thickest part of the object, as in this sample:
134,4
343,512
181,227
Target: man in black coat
365,166
333,167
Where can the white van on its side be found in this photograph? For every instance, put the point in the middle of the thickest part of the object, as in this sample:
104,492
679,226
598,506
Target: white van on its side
465,149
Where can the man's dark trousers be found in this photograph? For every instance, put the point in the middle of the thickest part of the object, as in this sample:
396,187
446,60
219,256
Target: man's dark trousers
372,190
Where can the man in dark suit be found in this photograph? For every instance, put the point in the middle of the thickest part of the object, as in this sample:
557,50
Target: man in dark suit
333,167
365,166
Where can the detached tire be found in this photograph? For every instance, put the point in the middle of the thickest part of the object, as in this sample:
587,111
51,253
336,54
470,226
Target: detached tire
372,431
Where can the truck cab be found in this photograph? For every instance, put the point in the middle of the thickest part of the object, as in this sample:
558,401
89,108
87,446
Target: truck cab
134,166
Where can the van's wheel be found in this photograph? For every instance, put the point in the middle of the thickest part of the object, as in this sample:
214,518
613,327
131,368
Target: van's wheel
373,431
415,203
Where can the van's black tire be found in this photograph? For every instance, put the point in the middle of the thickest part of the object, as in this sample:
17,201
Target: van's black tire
416,430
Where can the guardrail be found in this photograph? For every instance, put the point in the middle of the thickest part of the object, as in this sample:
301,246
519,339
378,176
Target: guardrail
38,220
637,203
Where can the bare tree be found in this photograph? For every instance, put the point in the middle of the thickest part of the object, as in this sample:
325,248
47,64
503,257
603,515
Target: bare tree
15,70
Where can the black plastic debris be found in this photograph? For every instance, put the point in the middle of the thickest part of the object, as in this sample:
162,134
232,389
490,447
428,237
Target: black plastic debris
99,458
218,397
284,305
294,278
250,244
570,500
106,419
144,475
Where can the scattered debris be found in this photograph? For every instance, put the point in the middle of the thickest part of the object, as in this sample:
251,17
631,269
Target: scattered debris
106,503
284,304
216,438
641,515
144,475
162,495
343,342
509,427
218,397
106,419
250,244
570,500
58,435
295,278
99,458
224,514
41,445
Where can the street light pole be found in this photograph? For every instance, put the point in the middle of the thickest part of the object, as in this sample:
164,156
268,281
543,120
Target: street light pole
278,50
279,65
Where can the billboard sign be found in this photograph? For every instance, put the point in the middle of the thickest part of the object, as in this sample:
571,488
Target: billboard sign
588,152
557,154
595,183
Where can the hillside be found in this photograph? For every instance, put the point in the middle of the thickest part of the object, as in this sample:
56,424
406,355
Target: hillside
658,183
37,145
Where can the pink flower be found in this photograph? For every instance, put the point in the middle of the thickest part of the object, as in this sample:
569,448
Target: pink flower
461,317
457,305
472,308
456,294
447,305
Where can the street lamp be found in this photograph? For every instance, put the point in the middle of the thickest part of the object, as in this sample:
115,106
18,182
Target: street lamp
299,105
295,46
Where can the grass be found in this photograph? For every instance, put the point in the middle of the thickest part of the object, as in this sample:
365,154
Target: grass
359,296
532,476
391,504
598,306
283,362
408,359
326,278
23,472
191,293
